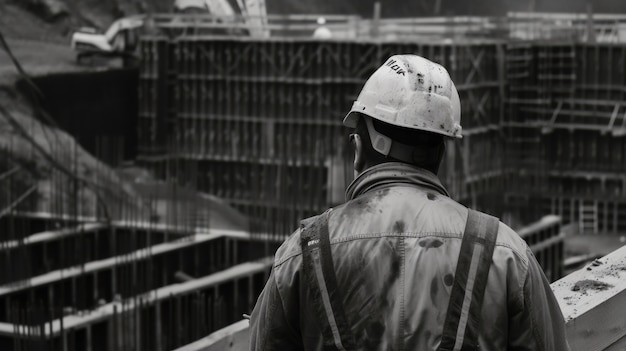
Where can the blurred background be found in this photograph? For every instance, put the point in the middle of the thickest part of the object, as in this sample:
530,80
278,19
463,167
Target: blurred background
154,154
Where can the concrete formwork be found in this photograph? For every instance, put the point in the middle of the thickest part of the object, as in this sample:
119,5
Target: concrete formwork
259,121
109,286
565,125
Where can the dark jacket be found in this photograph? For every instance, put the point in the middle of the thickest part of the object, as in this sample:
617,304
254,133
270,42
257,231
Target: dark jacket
395,246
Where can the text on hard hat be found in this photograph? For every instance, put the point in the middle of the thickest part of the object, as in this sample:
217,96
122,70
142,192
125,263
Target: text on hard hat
394,66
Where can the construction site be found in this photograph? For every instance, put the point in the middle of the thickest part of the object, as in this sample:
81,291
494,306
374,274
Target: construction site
145,190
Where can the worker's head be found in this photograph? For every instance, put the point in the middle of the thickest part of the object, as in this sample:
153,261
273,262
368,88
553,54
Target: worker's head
404,112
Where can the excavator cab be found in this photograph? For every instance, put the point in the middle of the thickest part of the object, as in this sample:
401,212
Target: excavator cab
120,39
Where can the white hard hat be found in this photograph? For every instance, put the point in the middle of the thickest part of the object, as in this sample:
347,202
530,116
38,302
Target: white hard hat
412,92
322,33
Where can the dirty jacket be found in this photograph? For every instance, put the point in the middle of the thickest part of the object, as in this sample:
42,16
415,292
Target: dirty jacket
395,245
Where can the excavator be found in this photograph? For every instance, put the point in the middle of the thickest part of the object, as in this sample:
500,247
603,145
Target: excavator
121,38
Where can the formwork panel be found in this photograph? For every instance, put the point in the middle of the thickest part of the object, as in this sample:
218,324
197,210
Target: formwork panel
602,64
585,151
129,275
152,321
234,58
154,95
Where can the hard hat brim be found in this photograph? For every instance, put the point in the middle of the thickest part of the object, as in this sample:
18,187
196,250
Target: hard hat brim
350,120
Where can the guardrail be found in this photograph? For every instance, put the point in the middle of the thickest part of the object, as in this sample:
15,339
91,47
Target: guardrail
516,25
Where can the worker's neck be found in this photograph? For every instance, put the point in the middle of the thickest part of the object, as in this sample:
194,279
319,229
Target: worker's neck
369,164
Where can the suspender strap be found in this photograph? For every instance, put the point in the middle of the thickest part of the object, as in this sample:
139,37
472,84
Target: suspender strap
319,274
462,323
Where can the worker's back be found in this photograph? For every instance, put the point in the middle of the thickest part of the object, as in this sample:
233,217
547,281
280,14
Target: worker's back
395,248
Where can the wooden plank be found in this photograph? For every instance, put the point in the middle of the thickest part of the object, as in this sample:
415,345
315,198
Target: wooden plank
543,224
52,235
592,300
545,244
232,337
110,262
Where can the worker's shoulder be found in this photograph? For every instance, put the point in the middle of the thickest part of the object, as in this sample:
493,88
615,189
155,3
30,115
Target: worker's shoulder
290,248
509,239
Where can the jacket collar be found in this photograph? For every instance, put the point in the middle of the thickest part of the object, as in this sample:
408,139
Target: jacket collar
391,173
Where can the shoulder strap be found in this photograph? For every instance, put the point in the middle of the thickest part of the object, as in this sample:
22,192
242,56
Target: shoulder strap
319,274
462,323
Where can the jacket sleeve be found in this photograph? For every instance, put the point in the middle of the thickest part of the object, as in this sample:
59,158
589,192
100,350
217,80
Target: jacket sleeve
269,327
537,323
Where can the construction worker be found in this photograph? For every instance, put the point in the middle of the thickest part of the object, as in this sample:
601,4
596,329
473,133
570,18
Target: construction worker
400,265
322,32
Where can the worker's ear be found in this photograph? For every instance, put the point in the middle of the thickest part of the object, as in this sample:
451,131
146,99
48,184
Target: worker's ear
359,153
